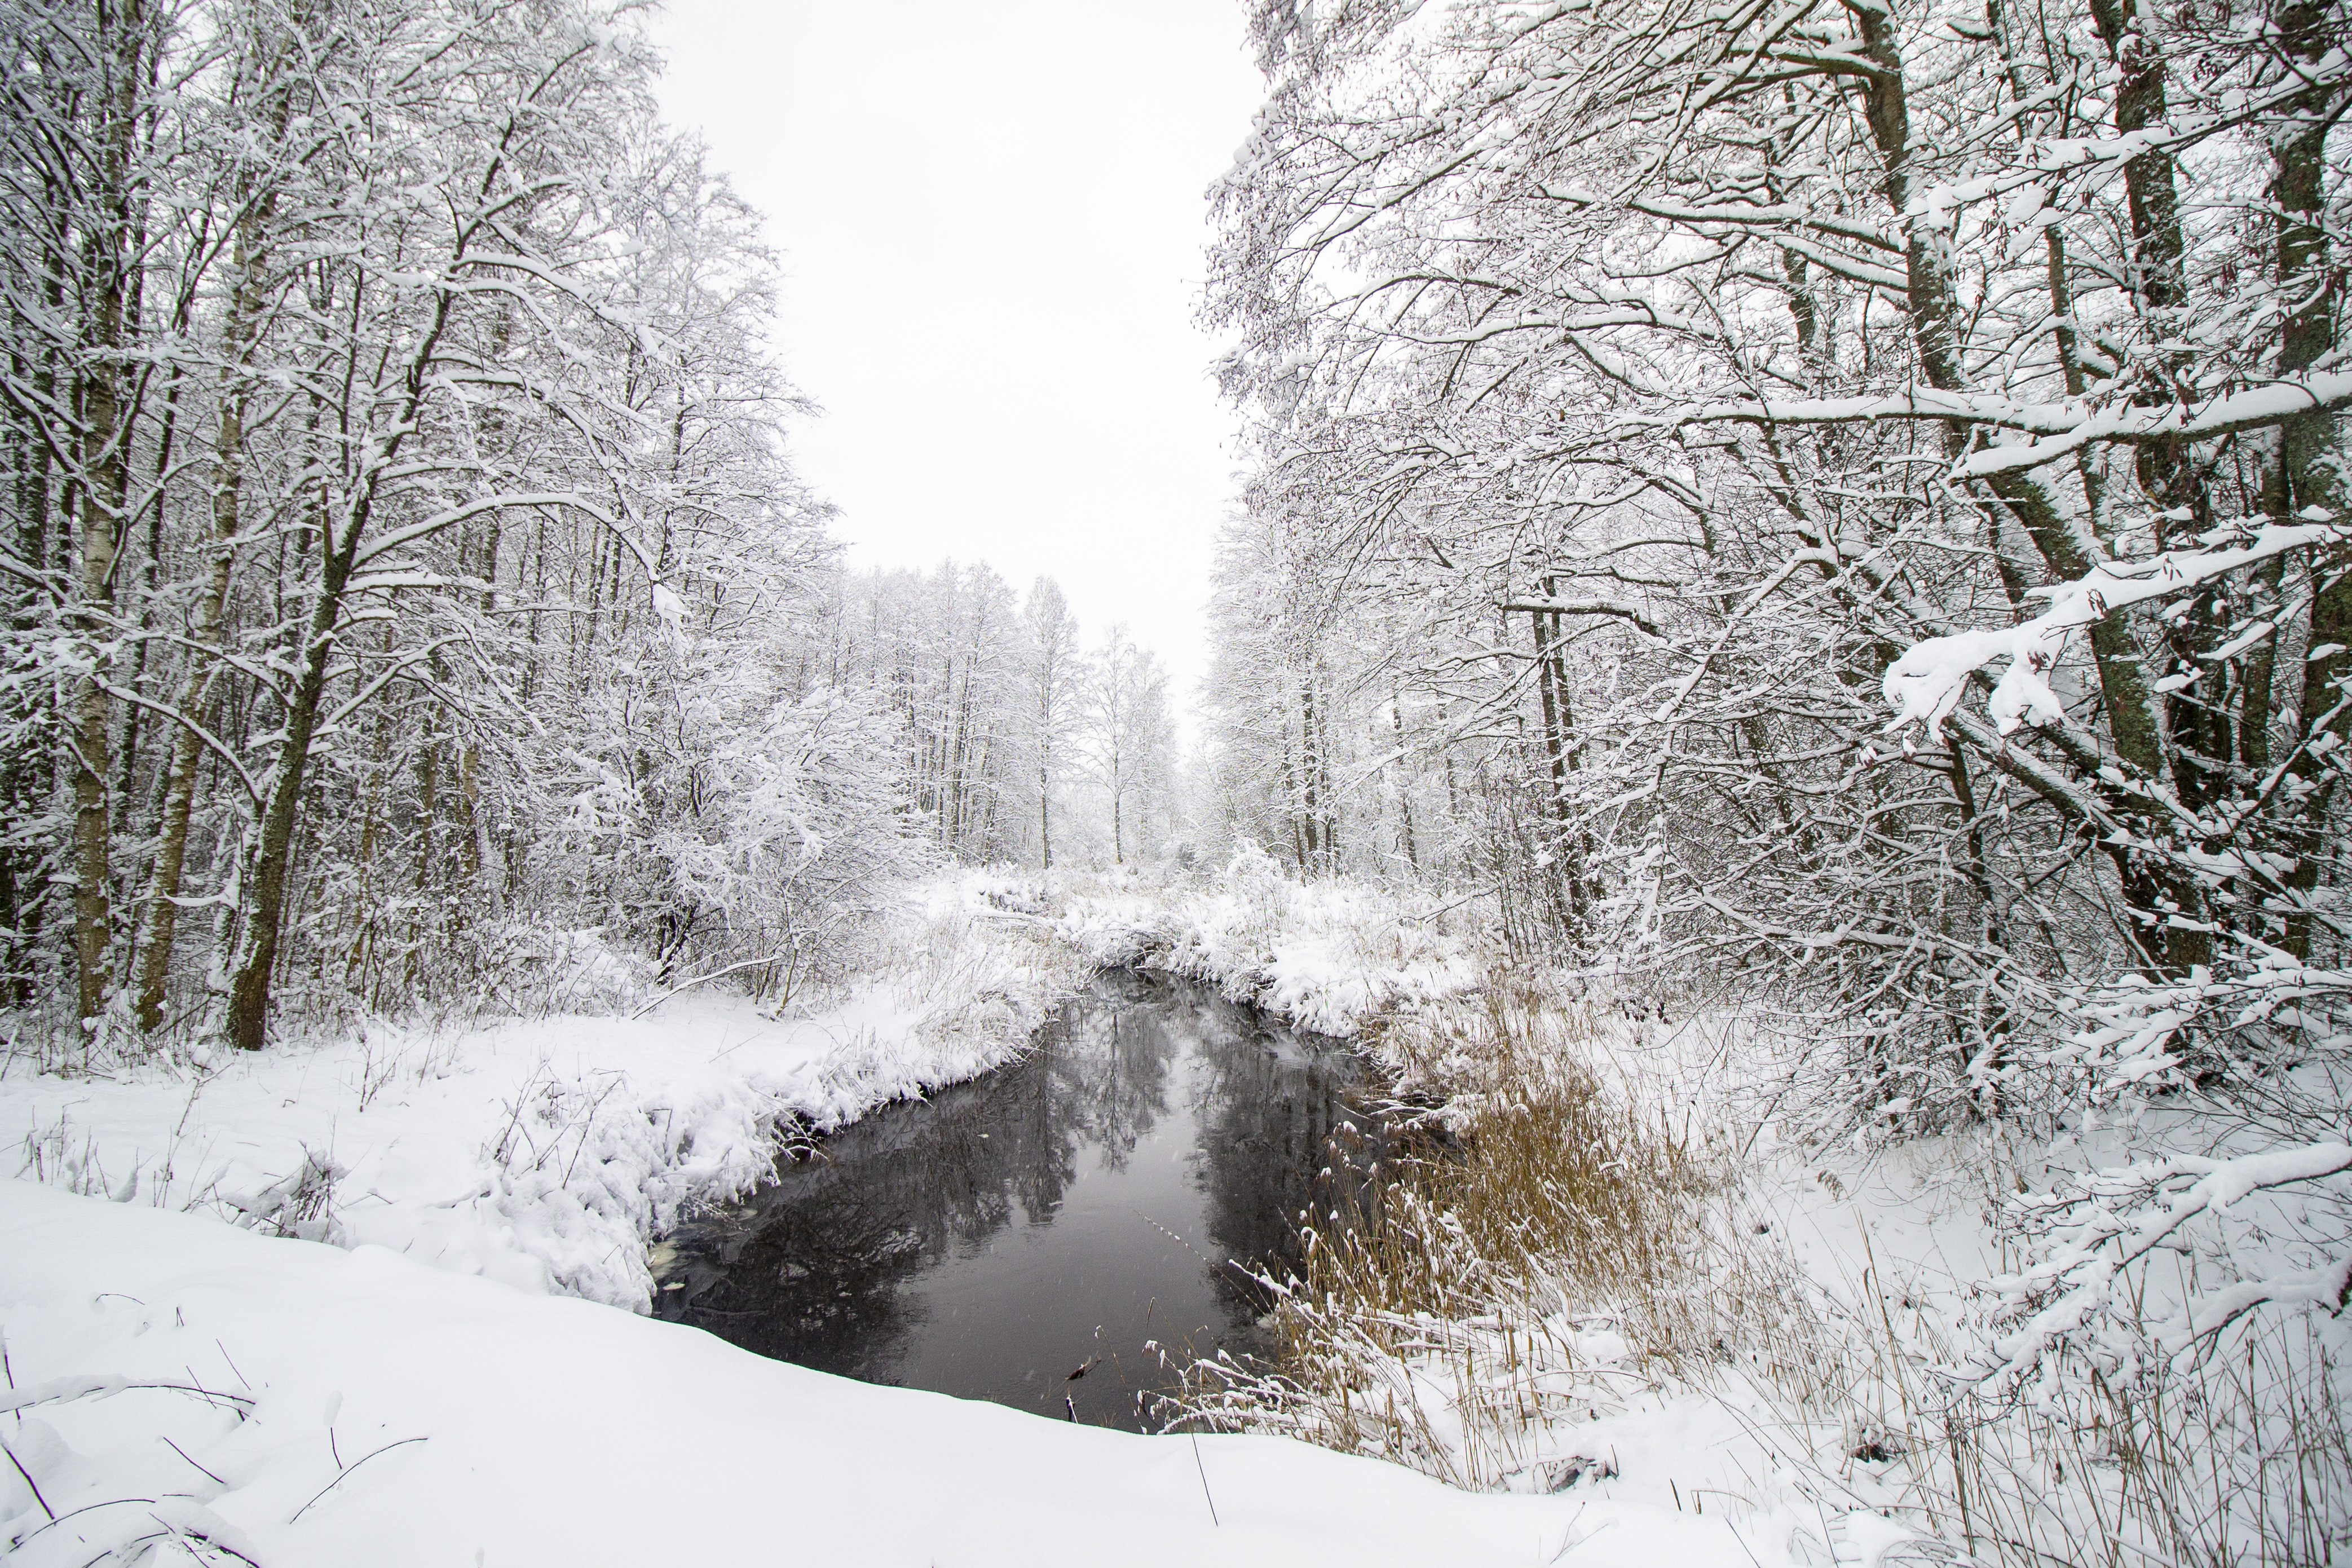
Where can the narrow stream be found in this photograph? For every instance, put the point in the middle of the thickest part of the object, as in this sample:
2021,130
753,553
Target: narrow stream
1064,1212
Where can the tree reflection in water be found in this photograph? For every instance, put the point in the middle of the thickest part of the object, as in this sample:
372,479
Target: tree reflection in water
992,1239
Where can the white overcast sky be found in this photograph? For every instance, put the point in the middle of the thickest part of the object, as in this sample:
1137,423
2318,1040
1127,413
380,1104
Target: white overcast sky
991,219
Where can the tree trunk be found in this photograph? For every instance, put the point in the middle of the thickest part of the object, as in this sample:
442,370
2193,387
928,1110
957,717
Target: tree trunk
228,487
248,1006
27,774
105,459
1935,310
2303,472
1405,783
1044,817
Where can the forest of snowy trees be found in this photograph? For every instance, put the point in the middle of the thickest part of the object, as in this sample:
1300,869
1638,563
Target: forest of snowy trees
1645,397
403,571
1780,666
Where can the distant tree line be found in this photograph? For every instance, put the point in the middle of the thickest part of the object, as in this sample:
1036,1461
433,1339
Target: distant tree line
1014,736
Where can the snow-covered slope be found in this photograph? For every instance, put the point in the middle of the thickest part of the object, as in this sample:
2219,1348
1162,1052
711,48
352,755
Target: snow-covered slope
357,1408
545,1154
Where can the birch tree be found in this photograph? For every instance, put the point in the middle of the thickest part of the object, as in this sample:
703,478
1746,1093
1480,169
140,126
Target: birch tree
1054,670
1129,738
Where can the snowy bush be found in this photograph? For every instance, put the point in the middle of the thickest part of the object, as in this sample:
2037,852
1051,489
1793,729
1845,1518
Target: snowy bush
1331,956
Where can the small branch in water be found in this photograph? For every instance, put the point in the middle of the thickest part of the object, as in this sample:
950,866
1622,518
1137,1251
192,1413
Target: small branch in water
1071,1406
1173,1237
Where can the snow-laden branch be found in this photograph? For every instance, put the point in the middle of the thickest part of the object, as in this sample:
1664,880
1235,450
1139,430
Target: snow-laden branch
1935,204
1738,212
1925,685
398,539
2131,1028
666,602
1632,614
2059,429
210,741
2099,1237
2258,408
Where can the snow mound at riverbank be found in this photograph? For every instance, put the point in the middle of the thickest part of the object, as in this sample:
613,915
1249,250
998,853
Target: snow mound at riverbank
543,1153
1330,956
185,1387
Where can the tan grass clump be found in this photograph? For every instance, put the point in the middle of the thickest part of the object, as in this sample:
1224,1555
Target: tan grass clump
1458,1312
1576,1254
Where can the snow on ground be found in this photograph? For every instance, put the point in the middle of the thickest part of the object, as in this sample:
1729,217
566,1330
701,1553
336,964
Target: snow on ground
545,1154
1330,955
181,1384
452,1165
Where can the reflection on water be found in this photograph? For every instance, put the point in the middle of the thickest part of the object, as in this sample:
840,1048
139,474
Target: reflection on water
1061,1213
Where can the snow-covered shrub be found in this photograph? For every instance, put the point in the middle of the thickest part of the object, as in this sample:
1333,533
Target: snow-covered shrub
732,825
567,971
2186,1285
299,1204
1332,955
1594,1278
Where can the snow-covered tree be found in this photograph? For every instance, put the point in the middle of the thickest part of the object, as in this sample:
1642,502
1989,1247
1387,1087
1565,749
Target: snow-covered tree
1648,380
1849,499
1053,674
1131,743
403,566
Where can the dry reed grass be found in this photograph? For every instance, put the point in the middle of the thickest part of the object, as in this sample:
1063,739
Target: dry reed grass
1454,1316
1577,1255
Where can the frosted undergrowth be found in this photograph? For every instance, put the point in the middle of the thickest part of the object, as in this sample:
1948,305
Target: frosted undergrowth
1330,955
1790,1331
1634,1284
546,1153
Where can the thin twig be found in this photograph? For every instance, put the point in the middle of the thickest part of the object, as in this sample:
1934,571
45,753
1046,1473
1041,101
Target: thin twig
698,979
85,1507
63,1390
1204,1480
29,1481
340,1480
184,1454
213,1542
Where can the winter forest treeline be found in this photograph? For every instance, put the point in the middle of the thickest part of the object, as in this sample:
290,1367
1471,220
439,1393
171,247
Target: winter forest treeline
404,567
403,572
1650,401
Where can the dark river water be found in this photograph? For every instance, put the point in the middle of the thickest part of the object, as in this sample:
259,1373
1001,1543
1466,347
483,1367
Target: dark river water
1064,1212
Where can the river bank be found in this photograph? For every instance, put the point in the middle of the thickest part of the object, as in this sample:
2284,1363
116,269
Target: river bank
186,1388
1647,1291
424,1391
547,1153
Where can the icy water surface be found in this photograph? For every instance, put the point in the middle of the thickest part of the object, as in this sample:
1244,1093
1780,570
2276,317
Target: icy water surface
1063,1212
